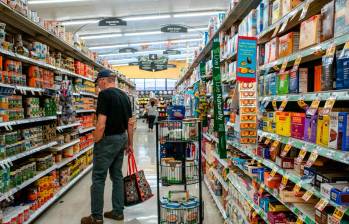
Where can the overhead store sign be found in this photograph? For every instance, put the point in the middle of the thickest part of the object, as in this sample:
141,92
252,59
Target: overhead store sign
113,21
173,28
133,63
153,63
171,66
246,59
172,52
128,50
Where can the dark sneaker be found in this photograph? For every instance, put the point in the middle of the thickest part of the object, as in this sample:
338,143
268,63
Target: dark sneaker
90,220
111,215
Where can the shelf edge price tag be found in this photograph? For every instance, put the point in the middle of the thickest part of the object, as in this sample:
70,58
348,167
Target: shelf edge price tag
338,214
283,105
299,220
284,66
273,173
301,154
302,104
314,106
331,50
274,145
284,182
267,141
276,68
285,150
274,105
277,28
284,25
329,105
305,10
307,195
321,204
297,63
345,48
312,158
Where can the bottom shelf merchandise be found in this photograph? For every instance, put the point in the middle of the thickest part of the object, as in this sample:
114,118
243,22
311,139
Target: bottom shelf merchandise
35,198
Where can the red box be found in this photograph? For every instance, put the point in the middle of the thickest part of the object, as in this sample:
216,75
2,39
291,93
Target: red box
273,182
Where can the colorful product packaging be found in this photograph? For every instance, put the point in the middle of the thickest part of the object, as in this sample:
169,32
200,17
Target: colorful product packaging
276,11
271,126
294,82
266,85
310,32
272,84
343,131
342,70
274,49
341,18
327,76
288,5
283,123
288,44
323,130
333,137
317,78
310,128
283,83
303,80
297,125
327,21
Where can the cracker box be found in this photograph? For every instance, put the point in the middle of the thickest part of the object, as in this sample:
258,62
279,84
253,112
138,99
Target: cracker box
276,11
310,128
343,131
342,70
274,49
323,130
303,80
341,18
288,44
288,5
327,74
273,84
283,123
310,32
333,138
297,125
294,81
283,83
327,21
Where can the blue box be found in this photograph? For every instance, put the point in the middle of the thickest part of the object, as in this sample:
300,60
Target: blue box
260,13
343,131
294,80
176,112
342,70
272,84
266,85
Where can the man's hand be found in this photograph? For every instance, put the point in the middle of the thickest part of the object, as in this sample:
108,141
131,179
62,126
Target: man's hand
129,149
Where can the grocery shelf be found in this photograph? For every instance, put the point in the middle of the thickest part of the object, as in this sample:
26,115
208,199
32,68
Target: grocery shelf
26,183
323,95
67,145
85,111
62,127
308,53
9,160
77,155
84,130
220,178
223,162
27,121
59,194
241,212
229,58
204,155
88,94
292,176
337,155
216,199
234,180
240,11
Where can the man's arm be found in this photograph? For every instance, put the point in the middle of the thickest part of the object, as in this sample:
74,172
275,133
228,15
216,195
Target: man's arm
130,128
100,127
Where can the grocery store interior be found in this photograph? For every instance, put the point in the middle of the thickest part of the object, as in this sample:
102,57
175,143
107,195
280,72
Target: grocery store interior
237,109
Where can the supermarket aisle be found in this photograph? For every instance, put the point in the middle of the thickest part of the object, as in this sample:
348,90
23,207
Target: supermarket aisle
76,203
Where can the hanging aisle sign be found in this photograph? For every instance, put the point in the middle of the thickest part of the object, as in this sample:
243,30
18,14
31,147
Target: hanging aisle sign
218,99
113,21
174,28
246,59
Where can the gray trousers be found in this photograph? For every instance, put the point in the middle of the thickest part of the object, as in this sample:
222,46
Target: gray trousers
108,154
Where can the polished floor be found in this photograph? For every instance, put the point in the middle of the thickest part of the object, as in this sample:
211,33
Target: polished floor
76,203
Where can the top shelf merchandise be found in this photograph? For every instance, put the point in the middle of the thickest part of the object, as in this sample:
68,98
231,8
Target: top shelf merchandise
297,168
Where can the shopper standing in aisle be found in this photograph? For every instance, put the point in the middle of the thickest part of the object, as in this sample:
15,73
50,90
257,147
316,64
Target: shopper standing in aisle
113,120
152,112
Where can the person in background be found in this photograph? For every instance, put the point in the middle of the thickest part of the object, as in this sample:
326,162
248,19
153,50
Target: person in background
152,112
114,115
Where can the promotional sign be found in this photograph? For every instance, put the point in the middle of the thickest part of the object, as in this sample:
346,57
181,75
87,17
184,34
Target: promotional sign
171,66
133,63
246,59
113,21
128,50
173,28
219,125
153,63
172,52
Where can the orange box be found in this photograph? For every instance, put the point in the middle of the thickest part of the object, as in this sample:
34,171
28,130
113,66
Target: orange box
272,182
288,44
317,78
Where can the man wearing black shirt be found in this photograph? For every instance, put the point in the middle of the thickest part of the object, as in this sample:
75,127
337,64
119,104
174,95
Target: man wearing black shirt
113,119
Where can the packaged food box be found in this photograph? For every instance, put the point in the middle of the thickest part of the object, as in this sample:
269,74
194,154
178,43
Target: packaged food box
342,70
271,122
266,85
343,131
274,49
341,18
261,86
333,137
283,123
310,32
272,84
321,217
297,125
323,130
288,44
277,207
267,52
333,177
337,192
276,11
272,182
310,128
317,78
285,163
283,83
277,217
327,21
303,80
327,74
288,5
289,196
294,82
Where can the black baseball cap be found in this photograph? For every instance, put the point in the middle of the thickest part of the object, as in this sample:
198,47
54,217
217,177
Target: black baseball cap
105,74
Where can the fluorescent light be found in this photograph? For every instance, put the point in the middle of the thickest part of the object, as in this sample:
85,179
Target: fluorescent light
138,18
79,22
143,33
198,29
36,2
145,52
184,40
118,65
101,36
195,14
108,47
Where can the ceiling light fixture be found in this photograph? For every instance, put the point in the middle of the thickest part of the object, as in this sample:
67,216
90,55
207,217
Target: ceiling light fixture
150,17
108,47
142,33
37,2
79,22
101,36
145,52
195,14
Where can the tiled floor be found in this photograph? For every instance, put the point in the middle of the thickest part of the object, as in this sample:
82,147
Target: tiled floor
76,203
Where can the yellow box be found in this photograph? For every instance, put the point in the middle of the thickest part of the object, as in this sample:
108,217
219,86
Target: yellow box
276,11
288,5
283,123
271,122
323,130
